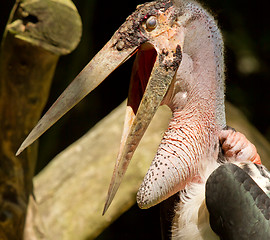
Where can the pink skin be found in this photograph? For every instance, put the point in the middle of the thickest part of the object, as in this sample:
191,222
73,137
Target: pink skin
237,147
196,98
185,145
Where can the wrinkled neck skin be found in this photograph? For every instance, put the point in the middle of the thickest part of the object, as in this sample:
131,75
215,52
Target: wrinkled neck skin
196,98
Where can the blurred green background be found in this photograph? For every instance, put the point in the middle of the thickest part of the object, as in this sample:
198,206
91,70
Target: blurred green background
246,32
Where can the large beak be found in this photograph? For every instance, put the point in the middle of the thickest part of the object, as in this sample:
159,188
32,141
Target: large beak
105,62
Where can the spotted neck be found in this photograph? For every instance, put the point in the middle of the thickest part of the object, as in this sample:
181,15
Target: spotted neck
196,99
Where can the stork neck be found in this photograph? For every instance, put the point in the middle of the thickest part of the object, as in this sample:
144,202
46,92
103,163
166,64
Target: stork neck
200,78
196,98
204,45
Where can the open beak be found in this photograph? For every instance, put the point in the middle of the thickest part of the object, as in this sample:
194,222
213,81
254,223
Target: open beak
145,96
154,69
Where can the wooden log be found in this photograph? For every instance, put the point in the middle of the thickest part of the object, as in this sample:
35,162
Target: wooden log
71,190
37,33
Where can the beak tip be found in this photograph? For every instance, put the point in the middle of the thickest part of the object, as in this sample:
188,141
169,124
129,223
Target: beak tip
18,153
24,145
108,202
105,209
21,148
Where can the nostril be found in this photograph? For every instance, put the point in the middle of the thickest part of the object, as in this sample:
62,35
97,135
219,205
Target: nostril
120,45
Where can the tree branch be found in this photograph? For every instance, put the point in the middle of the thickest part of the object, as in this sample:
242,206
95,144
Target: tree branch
36,34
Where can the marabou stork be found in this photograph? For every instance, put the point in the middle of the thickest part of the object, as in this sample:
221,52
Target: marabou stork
179,63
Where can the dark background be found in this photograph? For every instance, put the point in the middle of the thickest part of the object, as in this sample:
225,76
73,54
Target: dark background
246,34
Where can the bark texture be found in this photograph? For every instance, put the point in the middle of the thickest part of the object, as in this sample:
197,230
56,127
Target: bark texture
35,36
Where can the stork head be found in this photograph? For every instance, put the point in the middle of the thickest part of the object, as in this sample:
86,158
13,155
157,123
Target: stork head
157,32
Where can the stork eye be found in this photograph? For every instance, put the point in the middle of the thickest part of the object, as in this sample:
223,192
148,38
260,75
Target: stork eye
151,23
